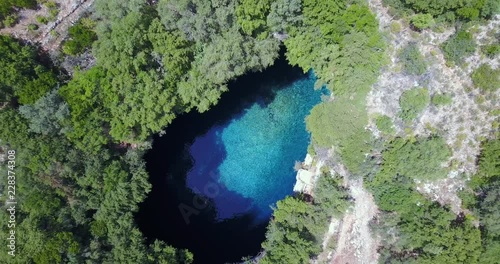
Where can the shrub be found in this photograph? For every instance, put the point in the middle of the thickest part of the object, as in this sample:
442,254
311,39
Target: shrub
42,19
412,102
53,14
51,5
10,20
395,27
81,37
341,123
441,99
422,21
491,50
384,124
420,159
412,59
53,9
486,78
32,27
459,46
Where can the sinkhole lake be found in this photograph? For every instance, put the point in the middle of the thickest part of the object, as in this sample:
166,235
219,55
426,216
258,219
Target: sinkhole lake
216,175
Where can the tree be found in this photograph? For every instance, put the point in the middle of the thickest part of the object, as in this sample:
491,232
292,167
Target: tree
412,59
422,21
412,102
284,15
89,117
486,78
384,124
252,16
341,123
459,46
288,238
48,115
421,159
21,73
199,20
81,36
447,10
441,99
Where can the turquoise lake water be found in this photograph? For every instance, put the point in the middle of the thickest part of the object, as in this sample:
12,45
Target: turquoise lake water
245,165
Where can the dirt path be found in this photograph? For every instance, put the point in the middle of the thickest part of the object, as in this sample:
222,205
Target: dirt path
355,241
69,12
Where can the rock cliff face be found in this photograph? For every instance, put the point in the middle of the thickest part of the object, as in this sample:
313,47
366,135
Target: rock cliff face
306,176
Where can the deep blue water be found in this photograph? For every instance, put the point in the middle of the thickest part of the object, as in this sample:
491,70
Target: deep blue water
216,175
246,163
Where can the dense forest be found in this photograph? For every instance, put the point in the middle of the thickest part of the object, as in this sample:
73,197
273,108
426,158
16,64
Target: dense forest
79,139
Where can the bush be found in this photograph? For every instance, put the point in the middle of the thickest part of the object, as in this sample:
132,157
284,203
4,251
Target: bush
412,102
441,99
422,21
459,46
32,27
384,124
53,9
412,59
42,19
491,50
10,20
420,159
445,10
51,5
486,78
395,27
341,123
81,37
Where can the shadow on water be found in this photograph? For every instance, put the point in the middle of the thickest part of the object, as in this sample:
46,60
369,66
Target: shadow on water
169,161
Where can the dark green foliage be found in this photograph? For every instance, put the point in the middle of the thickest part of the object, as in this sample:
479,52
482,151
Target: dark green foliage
125,54
486,78
412,59
491,50
424,231
180,61
484,197
89,117
489,161
296,231
441,99
42,19
446,10
489,214
331,196
288,238
412,102
342,44
64,190
21,73
81,37
384,124
459,46
421,159
422,21
32,27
